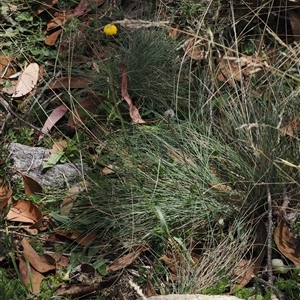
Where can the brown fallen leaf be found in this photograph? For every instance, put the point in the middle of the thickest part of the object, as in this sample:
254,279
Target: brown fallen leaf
108,170
71,197
171,264
54,117
133,111
41,263
31,186
78,237
232,68
292,129
6,68
60,19
5,195
245,270
27,80
286,243
125,260
30,277
77,291
81,8
51,38
70,83
25,212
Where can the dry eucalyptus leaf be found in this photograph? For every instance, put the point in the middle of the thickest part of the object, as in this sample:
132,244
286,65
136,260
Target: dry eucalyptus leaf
133,111
54,117
39,262
78,237
286,243
31,186
71,197
25,212
30,277
126,260
27,80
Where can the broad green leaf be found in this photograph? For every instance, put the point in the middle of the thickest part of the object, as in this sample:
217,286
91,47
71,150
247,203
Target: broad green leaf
53,159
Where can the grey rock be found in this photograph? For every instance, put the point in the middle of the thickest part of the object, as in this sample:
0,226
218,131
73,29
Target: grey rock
30,160
193,297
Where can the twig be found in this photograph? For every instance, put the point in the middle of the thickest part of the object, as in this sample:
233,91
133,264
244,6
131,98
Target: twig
269,239
9,110
266,283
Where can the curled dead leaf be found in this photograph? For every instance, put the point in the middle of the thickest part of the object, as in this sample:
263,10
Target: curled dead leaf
41,263
286,243
133,111
25,212
31,186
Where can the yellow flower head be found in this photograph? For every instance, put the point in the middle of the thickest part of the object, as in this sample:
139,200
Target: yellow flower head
110,29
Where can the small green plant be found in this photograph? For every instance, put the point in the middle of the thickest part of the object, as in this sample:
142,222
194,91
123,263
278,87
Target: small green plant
218,288
20,135
290,285
11,288
49,286
25,36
